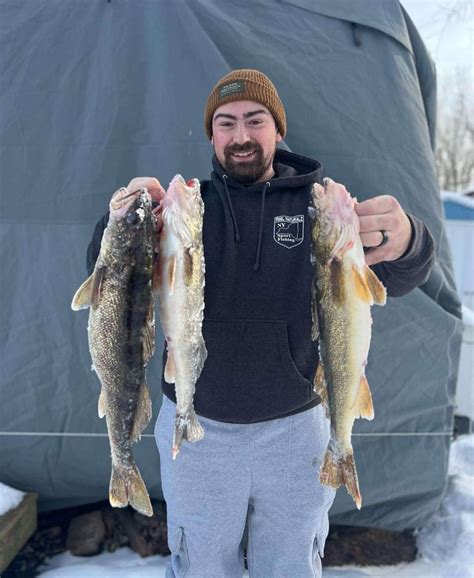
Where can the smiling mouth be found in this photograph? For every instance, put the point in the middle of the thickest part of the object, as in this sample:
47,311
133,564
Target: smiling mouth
245,155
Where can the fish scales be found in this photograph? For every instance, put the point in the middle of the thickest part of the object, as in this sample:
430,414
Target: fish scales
344,289
121,336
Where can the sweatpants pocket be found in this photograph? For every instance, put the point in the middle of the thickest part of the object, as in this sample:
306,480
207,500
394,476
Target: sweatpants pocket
179,551
321,536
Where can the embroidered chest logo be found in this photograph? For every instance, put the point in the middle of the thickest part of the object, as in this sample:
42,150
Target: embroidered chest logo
288,230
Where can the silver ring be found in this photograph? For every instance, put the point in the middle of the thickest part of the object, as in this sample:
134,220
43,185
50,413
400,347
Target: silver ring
384,238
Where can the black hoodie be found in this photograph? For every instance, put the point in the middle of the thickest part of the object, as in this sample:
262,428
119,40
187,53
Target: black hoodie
257,318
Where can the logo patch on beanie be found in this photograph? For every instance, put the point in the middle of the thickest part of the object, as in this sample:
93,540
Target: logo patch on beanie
236,87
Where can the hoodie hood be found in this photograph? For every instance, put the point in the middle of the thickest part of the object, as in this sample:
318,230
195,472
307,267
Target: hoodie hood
291,172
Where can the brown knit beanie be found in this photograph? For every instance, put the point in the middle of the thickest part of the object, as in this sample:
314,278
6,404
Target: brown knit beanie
245,84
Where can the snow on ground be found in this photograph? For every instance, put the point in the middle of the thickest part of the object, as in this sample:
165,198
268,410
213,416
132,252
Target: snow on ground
9,498
446,544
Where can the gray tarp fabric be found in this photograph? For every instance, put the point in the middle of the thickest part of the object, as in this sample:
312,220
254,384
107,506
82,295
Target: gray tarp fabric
96,92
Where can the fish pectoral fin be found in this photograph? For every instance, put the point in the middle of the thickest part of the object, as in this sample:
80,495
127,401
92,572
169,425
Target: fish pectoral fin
102,406
361,286
171,274
378,291
320,387
364,406
97,278
83,296
157,275
143,412
170,368
149,333
201,356
188,265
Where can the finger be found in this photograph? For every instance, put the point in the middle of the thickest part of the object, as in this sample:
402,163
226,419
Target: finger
373,239
153,185
374,256
388,252
375,223
376,205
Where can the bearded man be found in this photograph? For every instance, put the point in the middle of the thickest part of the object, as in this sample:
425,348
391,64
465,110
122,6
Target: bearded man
265,430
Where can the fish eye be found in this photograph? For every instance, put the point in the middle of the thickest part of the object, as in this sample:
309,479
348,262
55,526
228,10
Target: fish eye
132,218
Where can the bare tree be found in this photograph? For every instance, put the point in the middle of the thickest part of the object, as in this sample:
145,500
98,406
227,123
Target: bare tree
455,133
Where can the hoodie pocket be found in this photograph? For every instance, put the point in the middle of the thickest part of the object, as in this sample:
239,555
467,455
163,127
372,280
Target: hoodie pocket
249,374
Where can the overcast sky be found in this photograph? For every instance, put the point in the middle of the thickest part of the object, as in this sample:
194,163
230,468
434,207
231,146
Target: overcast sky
447,29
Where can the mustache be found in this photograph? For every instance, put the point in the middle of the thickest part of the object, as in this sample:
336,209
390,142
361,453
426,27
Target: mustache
244,148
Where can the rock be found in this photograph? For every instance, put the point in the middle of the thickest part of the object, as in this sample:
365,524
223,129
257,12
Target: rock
86,534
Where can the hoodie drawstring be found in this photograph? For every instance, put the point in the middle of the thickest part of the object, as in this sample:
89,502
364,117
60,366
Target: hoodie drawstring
234,220
256,267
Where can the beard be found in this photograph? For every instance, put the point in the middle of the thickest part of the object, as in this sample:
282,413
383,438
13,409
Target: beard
246,172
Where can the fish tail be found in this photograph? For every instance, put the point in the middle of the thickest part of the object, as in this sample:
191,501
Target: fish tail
337,470
194,431
127,487
186,427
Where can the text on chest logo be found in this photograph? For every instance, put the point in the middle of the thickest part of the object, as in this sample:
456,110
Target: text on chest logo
288,231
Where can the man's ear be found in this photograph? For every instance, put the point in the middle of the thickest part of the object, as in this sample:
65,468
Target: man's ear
278,137
212,140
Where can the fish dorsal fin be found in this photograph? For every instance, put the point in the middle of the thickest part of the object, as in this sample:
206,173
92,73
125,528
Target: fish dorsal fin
149,333
102,406
83,297
378,291
363,406
143,412
171,274
361,285
170,369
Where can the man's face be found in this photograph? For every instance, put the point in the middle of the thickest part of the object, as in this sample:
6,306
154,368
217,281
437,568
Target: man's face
245,136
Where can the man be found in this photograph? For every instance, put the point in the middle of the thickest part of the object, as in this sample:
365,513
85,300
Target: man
265,430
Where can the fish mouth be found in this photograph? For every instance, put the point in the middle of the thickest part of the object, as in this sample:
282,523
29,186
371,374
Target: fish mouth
182,192
123,200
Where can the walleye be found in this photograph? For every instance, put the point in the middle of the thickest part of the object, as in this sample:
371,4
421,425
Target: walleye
181,300
343,290
121,336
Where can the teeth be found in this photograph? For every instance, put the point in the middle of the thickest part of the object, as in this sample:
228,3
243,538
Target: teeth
243,154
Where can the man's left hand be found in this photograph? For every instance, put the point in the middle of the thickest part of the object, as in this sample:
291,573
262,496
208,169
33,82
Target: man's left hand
382,218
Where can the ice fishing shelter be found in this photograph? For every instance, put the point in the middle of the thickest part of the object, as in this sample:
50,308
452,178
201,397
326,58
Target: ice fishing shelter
95,93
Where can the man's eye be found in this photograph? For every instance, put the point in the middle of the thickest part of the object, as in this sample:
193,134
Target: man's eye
226,124
256,121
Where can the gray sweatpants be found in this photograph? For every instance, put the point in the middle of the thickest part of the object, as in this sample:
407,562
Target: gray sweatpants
265,474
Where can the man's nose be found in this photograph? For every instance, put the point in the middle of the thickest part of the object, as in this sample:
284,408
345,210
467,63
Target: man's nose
241,135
